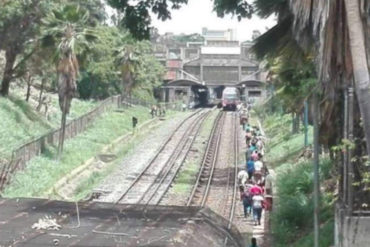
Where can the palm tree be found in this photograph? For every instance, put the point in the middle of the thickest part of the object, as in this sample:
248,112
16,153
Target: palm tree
66,32
360,65
341,45
127,59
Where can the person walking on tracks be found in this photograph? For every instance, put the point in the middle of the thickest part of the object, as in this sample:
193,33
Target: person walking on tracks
255,189
250,168
246,198
242,177
258,165
253,242
257,203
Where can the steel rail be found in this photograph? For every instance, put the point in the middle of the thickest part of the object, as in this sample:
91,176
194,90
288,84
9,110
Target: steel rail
196,126
236,155
162,147
214,140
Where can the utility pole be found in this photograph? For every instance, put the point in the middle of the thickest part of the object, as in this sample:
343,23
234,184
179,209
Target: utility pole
305,124
349,156
344,171
316,170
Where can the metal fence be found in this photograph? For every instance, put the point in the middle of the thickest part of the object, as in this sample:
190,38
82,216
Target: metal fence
27,151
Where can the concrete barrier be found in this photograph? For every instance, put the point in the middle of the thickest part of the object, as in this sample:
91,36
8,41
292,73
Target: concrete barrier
351,229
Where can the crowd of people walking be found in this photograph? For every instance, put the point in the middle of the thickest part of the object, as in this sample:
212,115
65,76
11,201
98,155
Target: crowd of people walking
255,182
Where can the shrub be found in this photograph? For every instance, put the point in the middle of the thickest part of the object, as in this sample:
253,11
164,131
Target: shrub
294,210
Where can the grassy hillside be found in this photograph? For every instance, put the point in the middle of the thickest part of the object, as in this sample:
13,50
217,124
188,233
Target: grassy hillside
20,122
44,171
283,145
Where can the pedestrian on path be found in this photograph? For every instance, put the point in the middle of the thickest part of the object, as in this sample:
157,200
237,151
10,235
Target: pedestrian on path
250,168
134,123
254,155
246,198
248,137
255,189
257,208
248,154
258,165
253,243
153,111
242,177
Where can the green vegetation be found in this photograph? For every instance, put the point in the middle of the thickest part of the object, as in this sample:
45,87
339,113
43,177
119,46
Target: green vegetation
282,143
187,177
43,171
294,187
295,197
20,123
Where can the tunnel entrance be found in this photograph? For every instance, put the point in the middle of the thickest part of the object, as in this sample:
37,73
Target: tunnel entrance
201,96
218,91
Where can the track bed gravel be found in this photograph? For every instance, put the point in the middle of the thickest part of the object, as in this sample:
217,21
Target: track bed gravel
218,194
111,188
182,186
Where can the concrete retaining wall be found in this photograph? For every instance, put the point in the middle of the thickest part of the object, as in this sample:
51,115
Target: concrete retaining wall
351,230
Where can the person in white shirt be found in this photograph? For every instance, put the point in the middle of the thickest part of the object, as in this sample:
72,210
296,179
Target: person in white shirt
258,165
242,177
257,204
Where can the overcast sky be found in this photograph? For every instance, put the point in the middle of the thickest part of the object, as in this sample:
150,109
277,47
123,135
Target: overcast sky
198,13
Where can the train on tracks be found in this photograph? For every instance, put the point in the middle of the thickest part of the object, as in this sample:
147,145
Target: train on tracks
230,98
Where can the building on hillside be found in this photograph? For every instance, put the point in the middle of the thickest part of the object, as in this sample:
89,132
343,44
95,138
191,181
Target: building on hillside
225,35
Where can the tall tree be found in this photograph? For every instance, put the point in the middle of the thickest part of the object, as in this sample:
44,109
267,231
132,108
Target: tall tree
18,26
360,64
65,29
127,59
136,14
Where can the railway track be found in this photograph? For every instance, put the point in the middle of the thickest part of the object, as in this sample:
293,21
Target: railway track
232,183
202,185
150,185
209,170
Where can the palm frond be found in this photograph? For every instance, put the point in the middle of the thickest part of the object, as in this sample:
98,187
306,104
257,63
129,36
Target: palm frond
266,8
270,42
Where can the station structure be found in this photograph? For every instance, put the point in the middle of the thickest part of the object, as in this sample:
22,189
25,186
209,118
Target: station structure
198,71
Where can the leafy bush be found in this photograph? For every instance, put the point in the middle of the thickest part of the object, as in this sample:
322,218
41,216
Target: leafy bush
294,209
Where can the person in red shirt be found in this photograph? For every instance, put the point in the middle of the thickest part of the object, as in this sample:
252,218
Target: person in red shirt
255,189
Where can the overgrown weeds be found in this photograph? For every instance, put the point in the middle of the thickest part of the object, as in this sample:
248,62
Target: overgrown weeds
21,123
